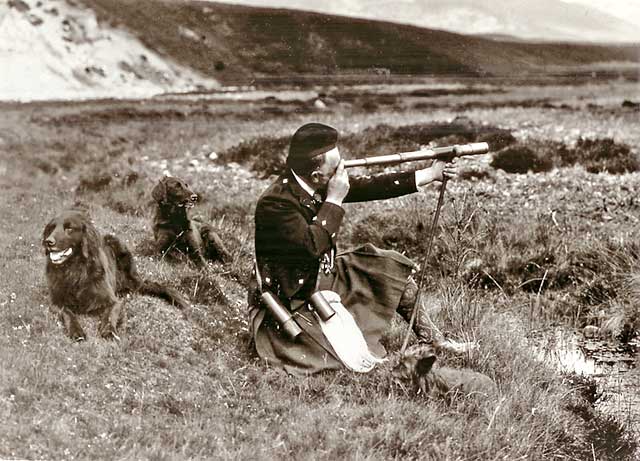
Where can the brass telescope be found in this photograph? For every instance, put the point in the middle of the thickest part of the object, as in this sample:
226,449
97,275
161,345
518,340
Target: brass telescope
441,153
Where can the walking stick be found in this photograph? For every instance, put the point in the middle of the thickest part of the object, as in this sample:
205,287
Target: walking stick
423,270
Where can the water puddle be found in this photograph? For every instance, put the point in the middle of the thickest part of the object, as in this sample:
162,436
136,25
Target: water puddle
613,367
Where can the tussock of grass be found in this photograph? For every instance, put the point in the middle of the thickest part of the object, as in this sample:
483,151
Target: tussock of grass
598,155
204,289
512,255
521,159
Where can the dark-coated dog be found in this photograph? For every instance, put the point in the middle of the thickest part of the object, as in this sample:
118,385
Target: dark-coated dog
174,230
416,365
86,273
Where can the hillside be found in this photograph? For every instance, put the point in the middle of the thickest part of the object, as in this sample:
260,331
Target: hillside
64,49
540,20
237,43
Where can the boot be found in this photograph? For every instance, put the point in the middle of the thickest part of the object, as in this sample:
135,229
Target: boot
424,328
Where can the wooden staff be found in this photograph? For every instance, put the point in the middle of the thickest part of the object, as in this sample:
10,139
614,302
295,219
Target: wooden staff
441,153
423,271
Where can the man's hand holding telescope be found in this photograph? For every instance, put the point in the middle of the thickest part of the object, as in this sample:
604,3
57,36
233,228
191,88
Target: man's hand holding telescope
444,166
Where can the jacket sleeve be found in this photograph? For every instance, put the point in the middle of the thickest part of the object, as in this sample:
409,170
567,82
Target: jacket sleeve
284,225
380,187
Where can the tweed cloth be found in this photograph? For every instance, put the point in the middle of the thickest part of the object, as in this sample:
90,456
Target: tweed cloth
370,282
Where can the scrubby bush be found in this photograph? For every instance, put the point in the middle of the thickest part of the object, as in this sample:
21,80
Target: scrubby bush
265,154
95,181
521,159
46,166
369,106
601,155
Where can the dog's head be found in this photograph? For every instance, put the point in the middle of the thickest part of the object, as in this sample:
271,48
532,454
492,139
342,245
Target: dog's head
416,361
69,235
174,191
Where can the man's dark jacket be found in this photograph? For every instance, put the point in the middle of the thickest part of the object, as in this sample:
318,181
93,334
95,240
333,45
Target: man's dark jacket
294,231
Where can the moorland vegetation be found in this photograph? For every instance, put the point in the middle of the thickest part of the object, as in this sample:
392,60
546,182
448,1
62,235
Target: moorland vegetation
543,231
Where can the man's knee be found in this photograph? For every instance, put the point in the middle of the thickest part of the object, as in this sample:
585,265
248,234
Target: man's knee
409,295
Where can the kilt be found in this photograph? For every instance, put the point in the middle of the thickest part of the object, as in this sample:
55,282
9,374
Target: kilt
370,282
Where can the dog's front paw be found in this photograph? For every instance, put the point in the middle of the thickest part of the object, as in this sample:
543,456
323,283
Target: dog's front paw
75,331
77,334
108,331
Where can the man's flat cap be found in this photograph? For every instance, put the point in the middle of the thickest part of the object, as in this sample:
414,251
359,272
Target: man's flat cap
309,141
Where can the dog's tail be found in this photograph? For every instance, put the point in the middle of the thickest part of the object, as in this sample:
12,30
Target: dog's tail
168,294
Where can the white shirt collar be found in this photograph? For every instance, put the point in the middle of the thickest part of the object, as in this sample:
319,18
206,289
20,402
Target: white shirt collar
307,188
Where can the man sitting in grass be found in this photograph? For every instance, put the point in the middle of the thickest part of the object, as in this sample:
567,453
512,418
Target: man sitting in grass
297,223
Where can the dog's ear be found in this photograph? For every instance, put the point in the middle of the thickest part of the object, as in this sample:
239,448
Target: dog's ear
424,364
159,193
46,232
90,244
84,245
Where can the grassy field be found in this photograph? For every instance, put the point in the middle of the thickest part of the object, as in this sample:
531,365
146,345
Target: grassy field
515,253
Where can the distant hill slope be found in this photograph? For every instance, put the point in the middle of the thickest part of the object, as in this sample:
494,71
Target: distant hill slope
541,20
234,43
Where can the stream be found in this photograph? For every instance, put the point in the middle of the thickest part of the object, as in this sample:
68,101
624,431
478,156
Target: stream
612,366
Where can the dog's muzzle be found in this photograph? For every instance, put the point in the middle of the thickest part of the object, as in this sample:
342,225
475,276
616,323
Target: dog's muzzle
58,257
189,203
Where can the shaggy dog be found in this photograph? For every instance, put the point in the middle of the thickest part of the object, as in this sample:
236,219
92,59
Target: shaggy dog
441,382
87,272
173,229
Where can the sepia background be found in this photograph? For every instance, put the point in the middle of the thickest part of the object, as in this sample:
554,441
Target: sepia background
536,256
